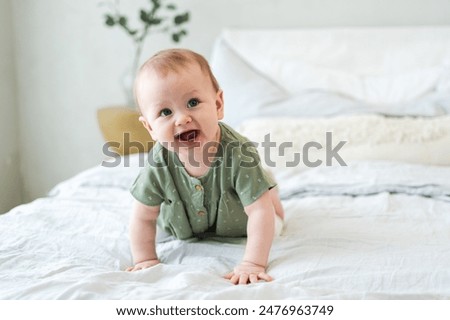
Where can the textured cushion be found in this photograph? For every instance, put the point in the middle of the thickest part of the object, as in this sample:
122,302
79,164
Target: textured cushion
367,137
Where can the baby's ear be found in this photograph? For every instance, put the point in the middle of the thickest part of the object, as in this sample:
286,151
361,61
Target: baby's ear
219,104
146,126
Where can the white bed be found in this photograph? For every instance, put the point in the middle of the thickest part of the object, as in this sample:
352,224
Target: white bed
377,228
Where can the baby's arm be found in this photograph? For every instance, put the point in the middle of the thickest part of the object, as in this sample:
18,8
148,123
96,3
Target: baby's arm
142,236
260,230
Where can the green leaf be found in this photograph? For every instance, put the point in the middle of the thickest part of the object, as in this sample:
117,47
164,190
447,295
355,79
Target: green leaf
109,21
176,37
156,4
144,16
181,18
123,21
155,21
171,7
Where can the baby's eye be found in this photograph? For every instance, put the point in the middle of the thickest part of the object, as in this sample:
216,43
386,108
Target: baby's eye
165,112
193,103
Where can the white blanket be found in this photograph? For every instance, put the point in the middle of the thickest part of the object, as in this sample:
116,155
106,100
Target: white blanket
74,244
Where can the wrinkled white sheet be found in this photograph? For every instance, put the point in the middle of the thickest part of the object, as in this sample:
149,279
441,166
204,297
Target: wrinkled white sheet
74,245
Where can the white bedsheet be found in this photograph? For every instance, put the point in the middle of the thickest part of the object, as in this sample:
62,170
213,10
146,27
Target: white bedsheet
74,245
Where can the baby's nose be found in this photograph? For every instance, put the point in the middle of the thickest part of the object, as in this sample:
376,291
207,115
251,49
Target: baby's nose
183,119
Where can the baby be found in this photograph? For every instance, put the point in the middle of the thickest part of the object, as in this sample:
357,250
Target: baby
202,177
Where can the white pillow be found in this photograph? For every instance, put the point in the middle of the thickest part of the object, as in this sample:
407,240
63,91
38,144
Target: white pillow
368,70
366,137
320,103
245,90
390,89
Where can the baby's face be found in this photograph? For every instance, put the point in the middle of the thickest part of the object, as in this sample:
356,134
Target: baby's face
181,109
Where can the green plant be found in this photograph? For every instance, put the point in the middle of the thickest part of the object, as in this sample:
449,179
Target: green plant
160,16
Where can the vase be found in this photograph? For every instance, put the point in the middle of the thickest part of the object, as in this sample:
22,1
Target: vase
127,85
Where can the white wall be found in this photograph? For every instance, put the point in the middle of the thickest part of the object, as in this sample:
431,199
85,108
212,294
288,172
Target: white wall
10,182
69,64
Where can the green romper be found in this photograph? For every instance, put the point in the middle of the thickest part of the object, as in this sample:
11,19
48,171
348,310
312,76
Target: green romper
212,204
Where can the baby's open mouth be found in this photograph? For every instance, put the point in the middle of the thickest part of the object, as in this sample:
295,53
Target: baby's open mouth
186,136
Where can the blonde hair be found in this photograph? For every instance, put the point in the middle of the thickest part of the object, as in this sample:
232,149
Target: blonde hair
174,60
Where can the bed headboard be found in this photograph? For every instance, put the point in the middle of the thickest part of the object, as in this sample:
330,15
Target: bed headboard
378,67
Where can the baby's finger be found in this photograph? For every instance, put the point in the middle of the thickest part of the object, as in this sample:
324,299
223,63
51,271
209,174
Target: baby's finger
131,269
137,268
234,279
253,278
243,279
265,276
229,275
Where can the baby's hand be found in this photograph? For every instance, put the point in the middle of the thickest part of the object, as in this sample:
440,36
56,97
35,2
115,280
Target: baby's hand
248,272
143,265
